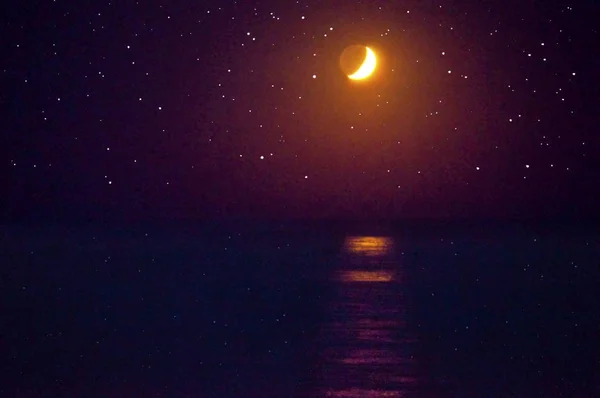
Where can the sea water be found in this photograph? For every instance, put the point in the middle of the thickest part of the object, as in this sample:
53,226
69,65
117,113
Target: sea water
296,310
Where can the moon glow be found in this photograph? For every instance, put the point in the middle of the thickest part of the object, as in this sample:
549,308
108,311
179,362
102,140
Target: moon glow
358,62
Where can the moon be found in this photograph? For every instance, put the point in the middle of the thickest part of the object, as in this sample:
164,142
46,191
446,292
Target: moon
354,55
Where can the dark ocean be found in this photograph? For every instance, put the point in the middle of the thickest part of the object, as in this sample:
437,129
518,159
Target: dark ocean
300,310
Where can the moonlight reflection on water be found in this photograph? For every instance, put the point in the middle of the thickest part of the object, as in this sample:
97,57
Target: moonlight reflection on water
366,345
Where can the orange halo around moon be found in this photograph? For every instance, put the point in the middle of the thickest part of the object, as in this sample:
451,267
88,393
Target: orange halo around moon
358,62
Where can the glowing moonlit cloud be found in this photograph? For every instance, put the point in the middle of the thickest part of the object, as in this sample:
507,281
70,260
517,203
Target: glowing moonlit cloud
367,67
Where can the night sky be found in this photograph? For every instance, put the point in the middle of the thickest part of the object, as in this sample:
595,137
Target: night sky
218,109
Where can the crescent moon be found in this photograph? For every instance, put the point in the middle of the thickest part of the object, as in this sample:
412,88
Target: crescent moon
367,67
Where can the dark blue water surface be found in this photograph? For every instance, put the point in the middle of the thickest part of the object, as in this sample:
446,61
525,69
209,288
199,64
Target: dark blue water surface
299,311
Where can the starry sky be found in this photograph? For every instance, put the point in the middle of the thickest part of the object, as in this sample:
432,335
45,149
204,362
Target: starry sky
217,109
